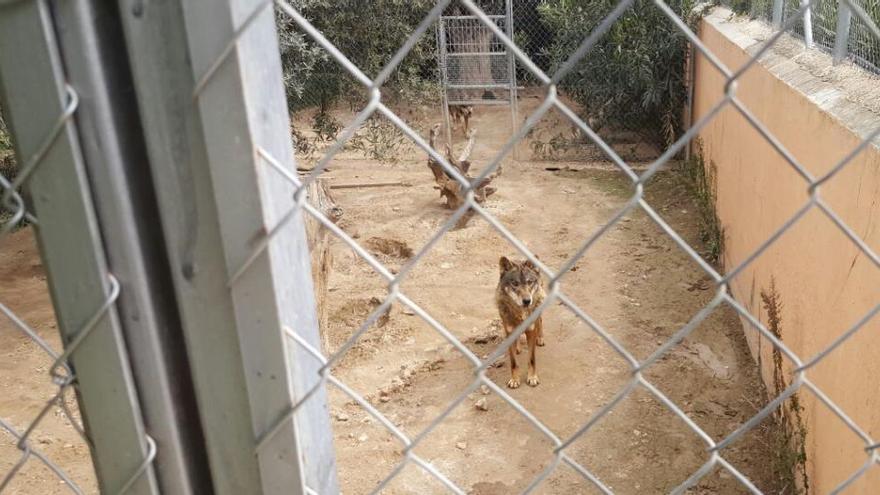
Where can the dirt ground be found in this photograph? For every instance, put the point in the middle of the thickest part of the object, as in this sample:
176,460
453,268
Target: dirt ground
25,384
634,281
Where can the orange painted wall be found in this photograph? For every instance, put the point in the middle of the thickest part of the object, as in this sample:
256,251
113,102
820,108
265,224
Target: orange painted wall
824,282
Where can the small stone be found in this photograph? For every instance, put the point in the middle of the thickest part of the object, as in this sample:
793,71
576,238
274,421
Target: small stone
363,438
407,311
445,265
461,445
484,389
342,417
481,405
384,398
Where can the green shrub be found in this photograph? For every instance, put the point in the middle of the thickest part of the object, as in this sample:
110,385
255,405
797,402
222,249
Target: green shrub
634,77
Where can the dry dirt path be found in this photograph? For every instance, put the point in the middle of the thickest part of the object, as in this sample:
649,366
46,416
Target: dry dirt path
634,281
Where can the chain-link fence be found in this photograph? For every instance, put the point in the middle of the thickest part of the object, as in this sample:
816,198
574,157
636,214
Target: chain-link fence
827,24
44,427
230,298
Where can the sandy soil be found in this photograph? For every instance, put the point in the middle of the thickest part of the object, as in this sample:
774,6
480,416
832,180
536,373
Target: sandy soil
25,385
634,281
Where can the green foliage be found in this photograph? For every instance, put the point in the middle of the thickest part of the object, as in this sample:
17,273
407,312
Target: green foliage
325,125
368,33
379,139
7,157
699,178
634,77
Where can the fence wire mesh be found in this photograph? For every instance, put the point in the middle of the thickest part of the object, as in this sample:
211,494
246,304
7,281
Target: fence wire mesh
60,374
825,29
556,295
863,44
368,82
45,410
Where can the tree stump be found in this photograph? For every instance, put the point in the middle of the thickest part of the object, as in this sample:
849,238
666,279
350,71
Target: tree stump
451,189
319,247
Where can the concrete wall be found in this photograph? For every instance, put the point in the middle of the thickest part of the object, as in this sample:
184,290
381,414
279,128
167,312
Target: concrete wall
824,283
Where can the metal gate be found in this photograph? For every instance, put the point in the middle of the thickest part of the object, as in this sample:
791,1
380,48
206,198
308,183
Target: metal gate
476,67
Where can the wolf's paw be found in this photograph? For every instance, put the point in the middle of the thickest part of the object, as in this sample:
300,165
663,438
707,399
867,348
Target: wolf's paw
513,383
540,341
533,381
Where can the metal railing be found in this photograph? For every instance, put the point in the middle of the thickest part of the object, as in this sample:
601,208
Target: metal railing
826,24
224,206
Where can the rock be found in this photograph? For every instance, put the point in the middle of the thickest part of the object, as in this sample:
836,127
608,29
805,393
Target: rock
484,389
341,416
384,398
363,438
461,445
481,404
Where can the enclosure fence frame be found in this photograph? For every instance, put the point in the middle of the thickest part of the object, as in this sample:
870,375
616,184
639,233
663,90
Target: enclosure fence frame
185,380
220,198
41,109
227,232
443,57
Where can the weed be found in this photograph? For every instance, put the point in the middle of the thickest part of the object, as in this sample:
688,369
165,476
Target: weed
304,147
790,443
326,127
700,180
558,145
379,139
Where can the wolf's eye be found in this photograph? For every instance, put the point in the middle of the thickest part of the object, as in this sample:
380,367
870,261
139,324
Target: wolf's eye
516,283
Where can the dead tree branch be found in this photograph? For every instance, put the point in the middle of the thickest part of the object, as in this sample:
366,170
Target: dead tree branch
450,189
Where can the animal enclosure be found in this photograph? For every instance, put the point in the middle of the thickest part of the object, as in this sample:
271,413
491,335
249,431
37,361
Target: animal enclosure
213,284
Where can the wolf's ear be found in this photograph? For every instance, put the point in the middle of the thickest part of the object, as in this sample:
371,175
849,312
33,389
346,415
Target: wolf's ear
505,264
531,266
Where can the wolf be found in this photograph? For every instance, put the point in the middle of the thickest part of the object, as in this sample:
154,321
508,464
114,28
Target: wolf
460,113
520,290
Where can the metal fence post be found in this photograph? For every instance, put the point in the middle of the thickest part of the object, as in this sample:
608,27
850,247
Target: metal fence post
208,78
94,51
808,23
778,10
511,62
41,107
841,39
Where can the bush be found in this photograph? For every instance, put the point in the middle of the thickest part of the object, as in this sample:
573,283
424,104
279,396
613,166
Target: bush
634,77
7,157
368,33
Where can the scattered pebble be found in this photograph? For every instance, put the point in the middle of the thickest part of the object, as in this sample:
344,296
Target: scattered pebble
461,445
484,389
342,417
481,405
363,438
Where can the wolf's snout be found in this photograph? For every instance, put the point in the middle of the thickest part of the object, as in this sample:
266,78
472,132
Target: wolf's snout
527,302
